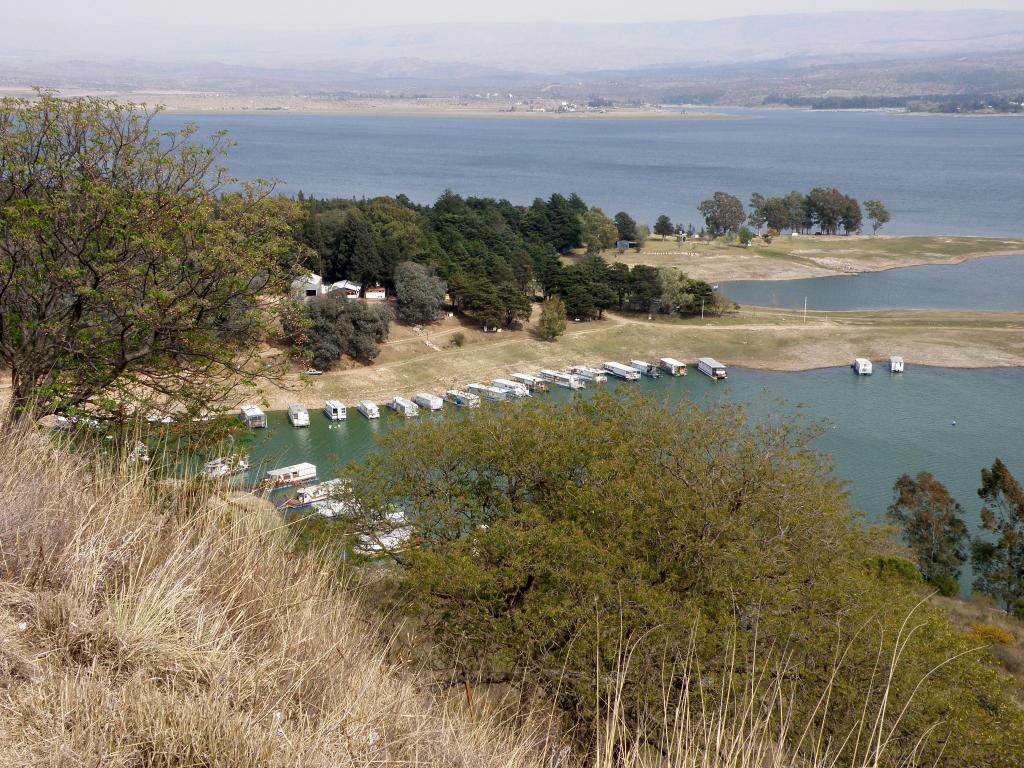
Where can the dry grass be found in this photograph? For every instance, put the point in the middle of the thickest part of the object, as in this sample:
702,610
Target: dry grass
154,624
149,626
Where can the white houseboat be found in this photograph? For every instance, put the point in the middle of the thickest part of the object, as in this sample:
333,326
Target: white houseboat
861,366
369,409
621,371
314,495
516,388
489,393
562,378
296,474
534,383
225,466
711,367
462,399
587,373
253,417
298,415
896,364
428,401
404,407
335,410
645,368
672,367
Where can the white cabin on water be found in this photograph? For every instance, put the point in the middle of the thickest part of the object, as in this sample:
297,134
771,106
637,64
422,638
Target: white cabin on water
253,417
861,366
621,371
896,364
286,477
298,415
489,393
587,373
672,367
711,367
335,410
404,407
533,383
462,399
369,409
562,378
428,401
518,389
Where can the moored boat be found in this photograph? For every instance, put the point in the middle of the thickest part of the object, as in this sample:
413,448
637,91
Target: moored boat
369,409
298,415
534,383
226,466
335,410
711,368
295,474
563,379
861,366
428,401
462,399
404,407
489,393
518,389
672,367
587,373
253,417
626,372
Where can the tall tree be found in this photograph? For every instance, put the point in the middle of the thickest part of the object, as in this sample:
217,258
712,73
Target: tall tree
626,226
999,563
552,321
878,215
334,326
599,232
663,226
418,292
722,213
127,282
933,527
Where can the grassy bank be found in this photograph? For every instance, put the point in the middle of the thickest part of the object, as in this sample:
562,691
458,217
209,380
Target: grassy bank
790,258
754,337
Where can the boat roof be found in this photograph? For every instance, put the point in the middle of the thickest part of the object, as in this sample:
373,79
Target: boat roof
427,396
862,360
896,359
672,361
403,401
334,403
368,403
712,362
303,467
251,410
614,364
296,406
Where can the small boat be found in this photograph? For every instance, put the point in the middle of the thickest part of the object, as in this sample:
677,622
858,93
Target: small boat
896,364
335,410
404,407
369,409
462,399
861,366
253,417
518,389
625,372
563,379
396,537
587,373
298,415
312,495
428,401
534,383
225,466
313,372
646,369
296,474
672,367
711,367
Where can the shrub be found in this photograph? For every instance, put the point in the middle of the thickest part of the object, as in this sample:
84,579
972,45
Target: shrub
457,339
990,634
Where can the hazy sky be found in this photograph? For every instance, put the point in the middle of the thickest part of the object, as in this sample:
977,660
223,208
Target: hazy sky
338,14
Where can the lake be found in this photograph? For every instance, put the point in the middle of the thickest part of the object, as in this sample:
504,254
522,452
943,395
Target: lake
880,426
988,285
937,174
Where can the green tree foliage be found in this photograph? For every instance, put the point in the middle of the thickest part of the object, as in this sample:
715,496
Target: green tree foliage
599,232
878,214
128,282
332,326
933,527
830,210
722,213
644,287
643,232
663,226
418,292
745,236
999,563
552,321
626,226
685,296
547,536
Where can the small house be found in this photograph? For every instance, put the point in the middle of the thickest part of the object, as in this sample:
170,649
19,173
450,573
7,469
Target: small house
309,287
376,293
350,289
623,245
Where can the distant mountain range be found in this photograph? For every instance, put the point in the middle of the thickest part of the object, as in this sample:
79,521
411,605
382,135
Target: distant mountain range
737,59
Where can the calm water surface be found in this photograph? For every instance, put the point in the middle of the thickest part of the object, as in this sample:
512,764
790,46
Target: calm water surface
937,174
988,285
880,426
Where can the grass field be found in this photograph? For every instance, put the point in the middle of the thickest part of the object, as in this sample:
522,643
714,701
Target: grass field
788,258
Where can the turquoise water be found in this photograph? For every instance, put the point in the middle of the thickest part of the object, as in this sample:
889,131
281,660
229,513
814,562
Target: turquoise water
937,174
879,426
986,285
